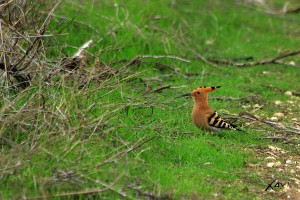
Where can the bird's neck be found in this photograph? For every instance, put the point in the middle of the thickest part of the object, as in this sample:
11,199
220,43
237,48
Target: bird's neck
201,102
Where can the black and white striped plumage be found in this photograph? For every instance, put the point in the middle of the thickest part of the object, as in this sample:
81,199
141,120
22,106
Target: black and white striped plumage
217,123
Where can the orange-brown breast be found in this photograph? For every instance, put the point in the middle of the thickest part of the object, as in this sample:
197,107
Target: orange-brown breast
200,115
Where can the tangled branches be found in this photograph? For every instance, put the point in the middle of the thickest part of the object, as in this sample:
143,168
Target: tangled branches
22,33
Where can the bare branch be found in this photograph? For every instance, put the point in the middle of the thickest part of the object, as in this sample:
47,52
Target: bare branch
292,10
40,36
199,56
86,45
265,61
5,4
165,56
276,126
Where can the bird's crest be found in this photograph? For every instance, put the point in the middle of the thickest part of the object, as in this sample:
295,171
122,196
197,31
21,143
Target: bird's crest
201,91
207,89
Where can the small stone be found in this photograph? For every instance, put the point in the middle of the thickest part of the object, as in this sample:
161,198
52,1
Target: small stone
257,106
271,191
210,42
279,115
271,164
274,119
292,171
216,194
246,106
288,93
276,149
270,158
288,162
294,119
277,164
273,148
278,103
286,188
292,63
207,163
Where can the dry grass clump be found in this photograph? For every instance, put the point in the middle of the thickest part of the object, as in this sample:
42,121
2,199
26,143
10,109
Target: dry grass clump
54,114
36,91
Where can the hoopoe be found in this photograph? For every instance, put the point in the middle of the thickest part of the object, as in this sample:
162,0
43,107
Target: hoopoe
205,117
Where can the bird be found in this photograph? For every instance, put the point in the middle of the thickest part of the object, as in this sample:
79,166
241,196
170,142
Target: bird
203,116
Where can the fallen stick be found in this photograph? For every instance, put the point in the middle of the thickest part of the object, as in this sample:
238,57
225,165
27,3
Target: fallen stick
274,125
292,10
199,56
296,94
39,36
165,56
283,11
233,98
79,53
162,88
139,57
265,61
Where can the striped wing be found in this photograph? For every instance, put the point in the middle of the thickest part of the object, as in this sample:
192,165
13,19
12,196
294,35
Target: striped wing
217,123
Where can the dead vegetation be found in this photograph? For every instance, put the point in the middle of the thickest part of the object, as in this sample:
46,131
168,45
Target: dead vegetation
34,120
23,36
36,116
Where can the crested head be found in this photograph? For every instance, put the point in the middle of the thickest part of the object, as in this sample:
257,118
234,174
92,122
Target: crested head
204,90
201,93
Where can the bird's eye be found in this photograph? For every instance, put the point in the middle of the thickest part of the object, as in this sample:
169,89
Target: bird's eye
198,92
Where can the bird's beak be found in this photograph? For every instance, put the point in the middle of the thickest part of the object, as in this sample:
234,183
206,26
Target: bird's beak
185,95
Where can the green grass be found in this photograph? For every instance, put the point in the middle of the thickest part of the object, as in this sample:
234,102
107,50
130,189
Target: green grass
85,127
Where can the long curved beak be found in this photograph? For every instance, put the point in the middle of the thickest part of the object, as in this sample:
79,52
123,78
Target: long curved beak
185,95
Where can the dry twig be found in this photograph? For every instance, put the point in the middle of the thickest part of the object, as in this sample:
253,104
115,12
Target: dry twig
275,60
165,56
276,126
199,56
292,10
22,41
158,89
79,53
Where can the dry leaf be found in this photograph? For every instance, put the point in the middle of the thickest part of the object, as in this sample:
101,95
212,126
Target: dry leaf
288,162
270,158
288,93
274,119
279,114
271,164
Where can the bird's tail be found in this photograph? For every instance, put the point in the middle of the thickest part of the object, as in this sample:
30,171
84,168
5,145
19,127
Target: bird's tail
235,127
